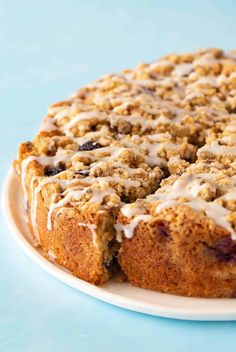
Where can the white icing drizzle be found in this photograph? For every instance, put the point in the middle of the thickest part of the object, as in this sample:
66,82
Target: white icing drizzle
167,204
83,116
182,70
204,60
98,196
216,148
74,195
129,210
34,198
123,181
118,165
92,228
189,187
94,135
135,211
48,125
160,63
155,148
130,228
146,124
115,153
175,159
231,127
193,95
158,137
229,139
69,194
229,196
44,161
65,111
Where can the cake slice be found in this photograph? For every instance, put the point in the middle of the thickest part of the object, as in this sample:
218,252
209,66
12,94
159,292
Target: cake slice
181,240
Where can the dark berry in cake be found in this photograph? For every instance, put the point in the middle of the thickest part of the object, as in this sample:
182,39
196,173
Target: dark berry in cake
53,170
90,146
224,250
83,173
162,229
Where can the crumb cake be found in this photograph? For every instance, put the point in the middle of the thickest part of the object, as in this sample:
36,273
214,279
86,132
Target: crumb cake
137,172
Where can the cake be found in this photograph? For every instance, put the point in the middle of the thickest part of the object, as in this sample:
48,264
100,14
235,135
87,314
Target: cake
137,172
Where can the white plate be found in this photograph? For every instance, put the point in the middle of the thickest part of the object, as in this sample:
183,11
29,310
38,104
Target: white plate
120,294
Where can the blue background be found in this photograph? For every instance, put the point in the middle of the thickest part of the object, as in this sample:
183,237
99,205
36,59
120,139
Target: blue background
47,50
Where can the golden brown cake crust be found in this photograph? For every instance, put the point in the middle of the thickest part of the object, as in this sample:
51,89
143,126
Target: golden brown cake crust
177,253
72,246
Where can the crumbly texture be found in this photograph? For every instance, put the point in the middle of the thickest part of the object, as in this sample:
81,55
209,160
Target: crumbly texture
140,166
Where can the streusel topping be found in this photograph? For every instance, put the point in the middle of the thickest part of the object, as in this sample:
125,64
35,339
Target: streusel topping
158,136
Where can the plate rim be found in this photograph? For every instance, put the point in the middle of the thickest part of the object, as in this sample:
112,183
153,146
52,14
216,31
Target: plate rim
100,292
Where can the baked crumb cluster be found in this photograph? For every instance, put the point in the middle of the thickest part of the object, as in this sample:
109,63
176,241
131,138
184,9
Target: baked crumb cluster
160,135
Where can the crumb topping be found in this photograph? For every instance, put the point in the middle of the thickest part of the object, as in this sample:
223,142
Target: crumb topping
144,140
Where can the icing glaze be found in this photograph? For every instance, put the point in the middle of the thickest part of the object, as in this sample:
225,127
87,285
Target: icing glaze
92,228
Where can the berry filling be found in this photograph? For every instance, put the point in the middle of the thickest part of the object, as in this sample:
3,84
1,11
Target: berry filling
224,250
90,146
52,171
162,229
